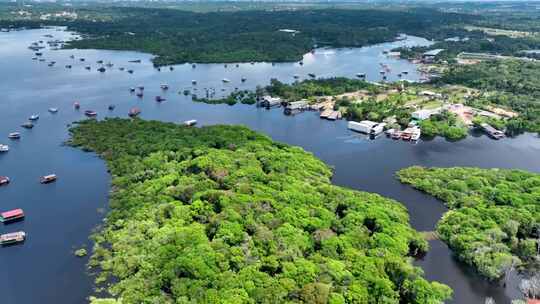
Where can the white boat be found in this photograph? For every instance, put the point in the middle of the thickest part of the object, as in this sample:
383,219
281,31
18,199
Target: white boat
416,134
53,110
34,117
389,132
190,123
4,148
164,86
14,135
225,80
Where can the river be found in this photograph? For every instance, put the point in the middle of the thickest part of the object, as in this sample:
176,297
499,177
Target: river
60,216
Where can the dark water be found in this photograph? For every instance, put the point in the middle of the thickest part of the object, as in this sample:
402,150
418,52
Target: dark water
60,216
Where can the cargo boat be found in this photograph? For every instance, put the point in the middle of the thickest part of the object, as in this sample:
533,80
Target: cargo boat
90,113
14,135
27,125
48,178
12,238
4,180
12,215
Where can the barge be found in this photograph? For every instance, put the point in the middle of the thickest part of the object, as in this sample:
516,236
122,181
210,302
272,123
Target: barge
48,178
12,238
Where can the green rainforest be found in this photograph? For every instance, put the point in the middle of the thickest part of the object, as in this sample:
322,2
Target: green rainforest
223,214
494,218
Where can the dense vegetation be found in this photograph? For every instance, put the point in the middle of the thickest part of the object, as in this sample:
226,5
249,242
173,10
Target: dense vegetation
176,36
494,218
241,96
444,124
225,215
511,83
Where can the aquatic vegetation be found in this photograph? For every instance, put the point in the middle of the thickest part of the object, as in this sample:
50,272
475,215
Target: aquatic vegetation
223,214
494,218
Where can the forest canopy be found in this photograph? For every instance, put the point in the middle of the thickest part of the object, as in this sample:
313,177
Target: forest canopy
494,218
222,214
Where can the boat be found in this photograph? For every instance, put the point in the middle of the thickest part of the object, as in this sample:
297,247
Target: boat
134,112
101,70
81,59
99,61
27,125
77,105
132,89
4,148
194,82
140,94
360,75
12,238
11,215
164,86
14,135
405,72
34,117
160,99
416,134
244,79
111,107
53,110
389,132
130,71
121,68
4,180
135,61
68,66
406,136
72,56
158,69
396,135
90,113
141,87
171,68
190,123
39,54
301,63
193,66
296,76
109,64
225,80
311,75
48,178
88,68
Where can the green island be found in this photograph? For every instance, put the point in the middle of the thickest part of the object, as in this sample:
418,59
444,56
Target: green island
223,214
493,222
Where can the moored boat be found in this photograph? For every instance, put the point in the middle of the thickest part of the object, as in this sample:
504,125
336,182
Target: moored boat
34,117
27,125
77,105
164,86
4,180
225,80
243,79
134,112
48,178
311,75
14,135
190,123
4,148
53,110
11,215
90,113
160,99
111,107
12,238
396,135
101,70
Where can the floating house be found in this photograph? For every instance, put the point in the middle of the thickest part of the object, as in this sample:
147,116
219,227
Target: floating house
270,102
367,127
12,238
296,106
12,215
492,132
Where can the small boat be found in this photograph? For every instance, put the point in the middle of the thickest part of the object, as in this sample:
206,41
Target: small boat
384,77
194,82
134,112
34,117
88,68
406,136
158,69
12,238
111,107
405,72
11,215
135,61
39,54
81,59
396,135
130,71
48,178
72,56
90,113
141,87
164,86
160,99
14,135
311,75
77,105
68,66
237,65
34,58
225,80
140,94
296,76
109,64
121,68
193,66
132,89
225,65
42,60
101,70
171,68
53,110
99,61
27,125
4,148
243,79
4,180
389,132
190,123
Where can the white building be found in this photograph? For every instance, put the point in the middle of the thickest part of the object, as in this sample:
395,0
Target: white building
366,126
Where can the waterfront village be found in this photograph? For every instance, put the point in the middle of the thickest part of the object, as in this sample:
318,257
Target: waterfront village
422,102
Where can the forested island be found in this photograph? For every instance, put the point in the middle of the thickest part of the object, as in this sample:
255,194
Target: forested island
494,218
224,214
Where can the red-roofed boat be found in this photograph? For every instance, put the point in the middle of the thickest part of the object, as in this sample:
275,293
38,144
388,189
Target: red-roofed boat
11,215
